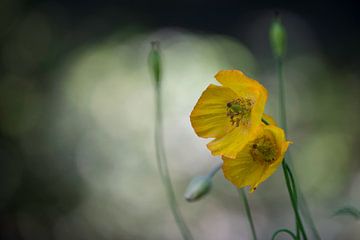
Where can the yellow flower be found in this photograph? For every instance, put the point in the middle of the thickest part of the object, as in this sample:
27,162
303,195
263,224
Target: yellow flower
258,160
229,113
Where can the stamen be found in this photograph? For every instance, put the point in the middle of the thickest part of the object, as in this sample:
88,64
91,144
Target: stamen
264,150
239,111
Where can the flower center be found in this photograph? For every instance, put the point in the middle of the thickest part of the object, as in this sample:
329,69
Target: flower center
239,111
264,150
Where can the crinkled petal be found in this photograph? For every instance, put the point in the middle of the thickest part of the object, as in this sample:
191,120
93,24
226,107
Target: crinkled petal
230,144
234,79
238,81
208,117
257,111
282,145
243,171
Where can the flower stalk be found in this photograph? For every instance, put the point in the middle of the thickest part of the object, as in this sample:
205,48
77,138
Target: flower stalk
278,41
283,123
155,68
243,196
287,231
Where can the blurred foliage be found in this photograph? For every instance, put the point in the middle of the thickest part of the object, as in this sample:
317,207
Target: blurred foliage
348,211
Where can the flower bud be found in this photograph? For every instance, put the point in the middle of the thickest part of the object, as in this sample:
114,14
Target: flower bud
155,61
278,38
198,187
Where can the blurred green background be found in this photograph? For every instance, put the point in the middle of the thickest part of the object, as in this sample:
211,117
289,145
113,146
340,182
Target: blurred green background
77,116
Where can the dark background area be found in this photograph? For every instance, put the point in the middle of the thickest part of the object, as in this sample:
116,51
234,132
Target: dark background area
336,23
32,185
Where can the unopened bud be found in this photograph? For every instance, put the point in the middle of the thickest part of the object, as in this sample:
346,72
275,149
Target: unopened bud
155,61
278,38
198,187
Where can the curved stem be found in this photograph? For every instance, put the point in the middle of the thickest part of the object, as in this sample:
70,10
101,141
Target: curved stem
164,171
291,186
293,197
307,216
283,231
292,181
248,211
289,178
283,122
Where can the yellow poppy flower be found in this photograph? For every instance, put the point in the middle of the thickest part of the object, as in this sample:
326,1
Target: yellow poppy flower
258,160
229,113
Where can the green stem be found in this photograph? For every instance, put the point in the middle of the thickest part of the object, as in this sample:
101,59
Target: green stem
307,215
283,122
293,198
290,182
164,171
214,170
282,103
283,231
248,211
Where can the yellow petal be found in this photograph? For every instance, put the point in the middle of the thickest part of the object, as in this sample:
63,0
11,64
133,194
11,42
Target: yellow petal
208,117
282,145
238,81
231,143
234,79
258,109
243,171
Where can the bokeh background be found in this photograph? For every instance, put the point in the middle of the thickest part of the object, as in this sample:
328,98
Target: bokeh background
77,156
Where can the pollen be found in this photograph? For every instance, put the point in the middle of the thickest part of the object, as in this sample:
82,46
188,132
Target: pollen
264,149
239,111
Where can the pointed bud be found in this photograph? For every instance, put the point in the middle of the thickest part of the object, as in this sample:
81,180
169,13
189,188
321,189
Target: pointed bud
155,61
198,187
278,37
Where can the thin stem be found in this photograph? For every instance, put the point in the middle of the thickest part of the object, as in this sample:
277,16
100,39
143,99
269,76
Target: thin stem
293,197
248,211
243,196
291,186
303,206
283,123
214,170
283,231
307,215
264,121
282,103
164,171
290,182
